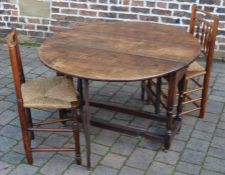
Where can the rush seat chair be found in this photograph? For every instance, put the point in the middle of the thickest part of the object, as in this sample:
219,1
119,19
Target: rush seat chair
203,26
53,92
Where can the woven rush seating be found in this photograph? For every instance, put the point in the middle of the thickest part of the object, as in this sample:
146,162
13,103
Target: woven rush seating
195,69
53,92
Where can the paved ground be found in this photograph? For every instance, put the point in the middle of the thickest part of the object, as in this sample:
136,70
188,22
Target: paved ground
198,149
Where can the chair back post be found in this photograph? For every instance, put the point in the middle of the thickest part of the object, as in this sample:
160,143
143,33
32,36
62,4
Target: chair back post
193,16
16,62
212,43
206,31
204,26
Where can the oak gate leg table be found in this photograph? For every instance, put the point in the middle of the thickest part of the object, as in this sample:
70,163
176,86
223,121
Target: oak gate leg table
124,52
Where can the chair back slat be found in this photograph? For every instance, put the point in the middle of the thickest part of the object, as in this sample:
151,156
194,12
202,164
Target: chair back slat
203,33
204,26
197,34
16,62
206,34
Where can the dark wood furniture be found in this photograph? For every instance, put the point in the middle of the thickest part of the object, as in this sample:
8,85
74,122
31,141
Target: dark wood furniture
123,51
53,92
204,27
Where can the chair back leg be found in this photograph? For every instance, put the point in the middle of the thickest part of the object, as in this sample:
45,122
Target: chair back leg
204,95
62,113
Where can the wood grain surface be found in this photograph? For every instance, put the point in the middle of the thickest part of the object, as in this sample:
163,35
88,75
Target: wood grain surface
119,51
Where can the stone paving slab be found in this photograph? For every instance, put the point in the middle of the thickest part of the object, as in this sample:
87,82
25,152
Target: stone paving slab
199,149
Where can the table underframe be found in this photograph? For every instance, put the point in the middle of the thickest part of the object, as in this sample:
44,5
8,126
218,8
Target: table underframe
173,121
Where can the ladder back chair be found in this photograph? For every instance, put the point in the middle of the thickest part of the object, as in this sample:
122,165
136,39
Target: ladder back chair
203,26
53,92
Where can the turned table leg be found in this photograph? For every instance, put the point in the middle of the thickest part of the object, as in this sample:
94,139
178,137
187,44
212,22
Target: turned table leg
172,79
181,87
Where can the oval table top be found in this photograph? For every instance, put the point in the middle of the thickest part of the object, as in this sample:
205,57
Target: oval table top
119,51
